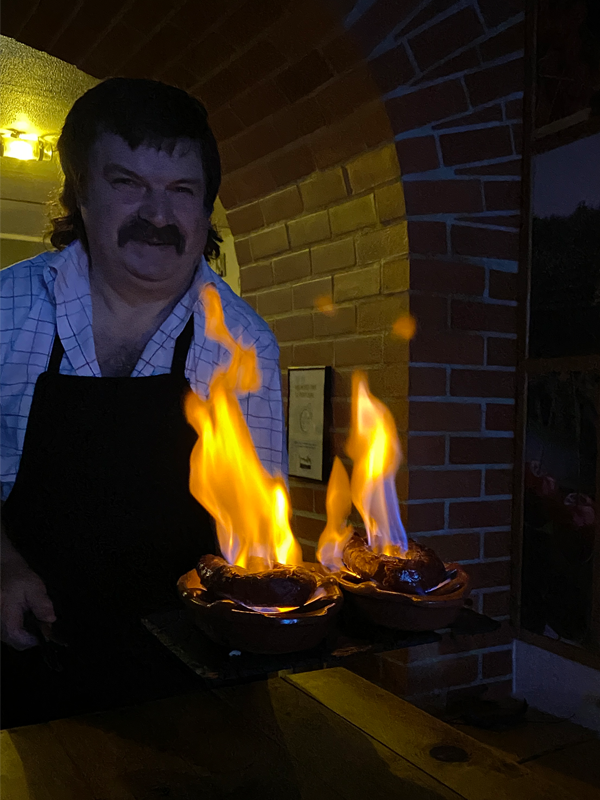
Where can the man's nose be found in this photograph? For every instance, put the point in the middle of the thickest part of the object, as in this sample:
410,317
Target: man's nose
156,208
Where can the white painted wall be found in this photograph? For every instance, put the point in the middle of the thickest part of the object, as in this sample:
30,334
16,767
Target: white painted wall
557,685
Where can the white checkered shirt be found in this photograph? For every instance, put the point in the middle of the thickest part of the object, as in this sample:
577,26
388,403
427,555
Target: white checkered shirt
52,292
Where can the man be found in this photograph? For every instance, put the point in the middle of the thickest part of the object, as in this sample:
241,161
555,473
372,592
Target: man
100,342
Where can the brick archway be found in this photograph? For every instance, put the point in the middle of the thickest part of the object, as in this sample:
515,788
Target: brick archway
319,107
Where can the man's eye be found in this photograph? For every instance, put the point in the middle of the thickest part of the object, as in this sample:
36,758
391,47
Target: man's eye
123,182
184,190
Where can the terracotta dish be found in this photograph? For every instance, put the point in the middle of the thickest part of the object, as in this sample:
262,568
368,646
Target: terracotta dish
408,612
239,628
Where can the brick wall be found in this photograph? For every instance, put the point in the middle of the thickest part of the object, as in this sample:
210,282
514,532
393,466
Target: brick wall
457,115
338,234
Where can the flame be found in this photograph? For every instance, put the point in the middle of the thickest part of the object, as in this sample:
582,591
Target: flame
405,327
250,506
338,504
325,305
375,450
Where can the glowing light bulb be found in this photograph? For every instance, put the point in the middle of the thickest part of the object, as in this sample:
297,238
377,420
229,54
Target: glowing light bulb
19,149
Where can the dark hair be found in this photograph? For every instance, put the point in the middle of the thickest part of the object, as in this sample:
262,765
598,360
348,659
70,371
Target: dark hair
140,111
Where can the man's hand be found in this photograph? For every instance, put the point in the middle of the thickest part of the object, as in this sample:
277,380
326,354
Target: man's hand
22,590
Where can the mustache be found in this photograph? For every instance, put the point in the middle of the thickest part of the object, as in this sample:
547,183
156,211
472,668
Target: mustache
140,230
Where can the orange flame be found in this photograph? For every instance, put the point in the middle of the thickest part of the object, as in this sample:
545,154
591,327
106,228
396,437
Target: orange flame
338,504
375,450
250,506
405,327
325,305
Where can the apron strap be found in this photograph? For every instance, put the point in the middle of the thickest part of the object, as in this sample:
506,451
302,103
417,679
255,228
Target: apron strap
182,345
56,355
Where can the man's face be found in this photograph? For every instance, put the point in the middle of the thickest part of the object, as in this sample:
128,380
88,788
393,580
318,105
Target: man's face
144,212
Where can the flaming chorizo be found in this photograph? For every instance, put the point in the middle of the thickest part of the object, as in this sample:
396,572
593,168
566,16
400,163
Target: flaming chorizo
418,572
282,586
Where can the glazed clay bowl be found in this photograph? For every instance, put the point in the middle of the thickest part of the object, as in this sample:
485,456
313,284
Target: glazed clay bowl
238,628
408,612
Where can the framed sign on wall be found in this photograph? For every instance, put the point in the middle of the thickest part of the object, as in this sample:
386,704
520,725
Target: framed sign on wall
308,418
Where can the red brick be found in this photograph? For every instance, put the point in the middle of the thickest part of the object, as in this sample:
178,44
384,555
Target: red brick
313,354
451,277
447,347
392,69
276,301
341,53
245,219
407,680
495,664
501,221
302,498
503,285
306,293
502,352
373,124
426,450
417,155
342,321
260,102
481,383
496,544
436,484
83,30
473,316
487,114
15,15
294,327
517,132
512,167
304,77
425,416
253,182
514,109
496,604
320,496
427,381
442,197
500,417
425,517
453,642
307,527
482,514
502,195
418,108
285,355
347,92
499,481
430,311
250,19
476,145
42,26
495,82
303,27
453,546
511,40
475,450
309,552
225,124
489,574
495,13
292,165
257,276
427,237
378,21
359,350
468,59
440,40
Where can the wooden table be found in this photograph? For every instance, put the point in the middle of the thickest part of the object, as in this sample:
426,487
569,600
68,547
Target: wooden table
327,735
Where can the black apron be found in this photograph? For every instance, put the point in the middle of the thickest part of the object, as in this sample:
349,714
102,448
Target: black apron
101,511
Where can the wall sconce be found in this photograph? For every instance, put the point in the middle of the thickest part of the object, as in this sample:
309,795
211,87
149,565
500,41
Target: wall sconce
25,146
